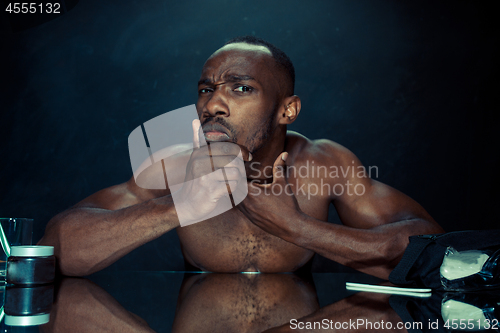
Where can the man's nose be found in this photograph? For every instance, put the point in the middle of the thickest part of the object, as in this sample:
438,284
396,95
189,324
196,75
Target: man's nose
217,104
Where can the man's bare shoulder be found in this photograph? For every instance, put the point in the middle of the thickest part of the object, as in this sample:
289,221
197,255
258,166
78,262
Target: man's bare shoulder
323,151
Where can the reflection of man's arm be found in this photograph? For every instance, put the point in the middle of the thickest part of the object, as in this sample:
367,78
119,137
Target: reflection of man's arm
361,308
82,306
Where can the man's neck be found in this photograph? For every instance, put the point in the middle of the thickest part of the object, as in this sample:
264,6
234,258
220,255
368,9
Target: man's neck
260,169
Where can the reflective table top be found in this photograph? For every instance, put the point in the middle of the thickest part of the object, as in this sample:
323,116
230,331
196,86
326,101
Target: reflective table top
136,301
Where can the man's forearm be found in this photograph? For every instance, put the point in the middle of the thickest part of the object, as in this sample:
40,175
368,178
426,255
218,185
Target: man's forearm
375,251
87,240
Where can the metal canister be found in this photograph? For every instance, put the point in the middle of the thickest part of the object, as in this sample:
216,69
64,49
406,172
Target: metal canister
31,265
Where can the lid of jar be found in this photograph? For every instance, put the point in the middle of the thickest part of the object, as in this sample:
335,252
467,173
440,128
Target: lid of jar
38,319
31,251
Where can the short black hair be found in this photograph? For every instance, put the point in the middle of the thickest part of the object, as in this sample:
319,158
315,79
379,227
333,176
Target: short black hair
282,60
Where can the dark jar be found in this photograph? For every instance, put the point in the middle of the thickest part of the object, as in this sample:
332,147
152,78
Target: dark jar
31,265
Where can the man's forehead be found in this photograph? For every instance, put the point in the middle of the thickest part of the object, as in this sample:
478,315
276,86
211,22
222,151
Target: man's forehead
240,59
244,47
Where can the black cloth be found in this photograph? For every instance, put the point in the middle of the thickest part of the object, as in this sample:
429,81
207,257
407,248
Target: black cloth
423,257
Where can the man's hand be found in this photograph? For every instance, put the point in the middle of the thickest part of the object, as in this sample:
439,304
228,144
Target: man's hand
273,207
210,173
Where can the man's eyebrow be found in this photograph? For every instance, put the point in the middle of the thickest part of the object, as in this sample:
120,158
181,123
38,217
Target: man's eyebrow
228,78
235,77
204,81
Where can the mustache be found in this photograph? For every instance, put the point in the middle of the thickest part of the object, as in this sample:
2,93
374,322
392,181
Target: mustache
216,122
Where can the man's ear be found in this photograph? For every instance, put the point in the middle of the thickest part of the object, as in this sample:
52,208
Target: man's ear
289,110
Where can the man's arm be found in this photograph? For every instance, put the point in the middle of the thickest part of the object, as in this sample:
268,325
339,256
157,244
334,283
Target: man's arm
110,223
377,219
377,223
375,250
107,225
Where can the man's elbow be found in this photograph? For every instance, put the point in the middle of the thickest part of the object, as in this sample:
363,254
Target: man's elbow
396,245
75,265
424,226
70,261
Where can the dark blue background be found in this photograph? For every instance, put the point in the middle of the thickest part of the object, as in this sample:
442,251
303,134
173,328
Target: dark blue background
411,87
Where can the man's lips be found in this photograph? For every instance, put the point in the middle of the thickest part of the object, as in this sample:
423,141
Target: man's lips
215,132
216,136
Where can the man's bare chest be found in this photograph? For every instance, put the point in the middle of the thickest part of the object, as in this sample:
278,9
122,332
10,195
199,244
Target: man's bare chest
231,242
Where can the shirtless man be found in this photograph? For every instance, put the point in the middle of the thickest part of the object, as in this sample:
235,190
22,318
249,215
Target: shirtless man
245,96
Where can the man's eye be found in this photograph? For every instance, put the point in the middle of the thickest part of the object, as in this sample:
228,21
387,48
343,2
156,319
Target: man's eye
243,89
205,90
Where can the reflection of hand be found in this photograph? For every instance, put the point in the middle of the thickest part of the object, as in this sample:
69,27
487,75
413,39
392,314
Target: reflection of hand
209,172
273,207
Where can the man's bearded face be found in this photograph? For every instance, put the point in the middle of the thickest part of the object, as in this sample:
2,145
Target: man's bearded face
238,96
